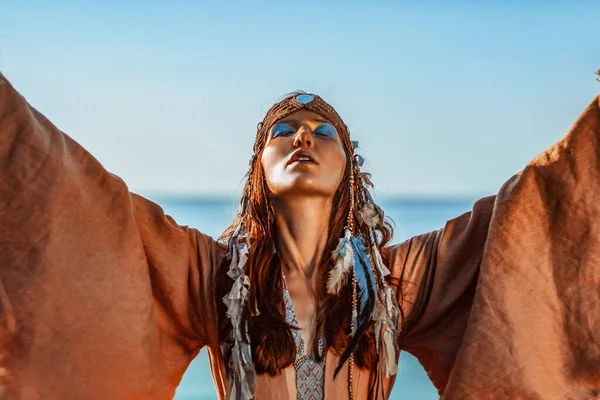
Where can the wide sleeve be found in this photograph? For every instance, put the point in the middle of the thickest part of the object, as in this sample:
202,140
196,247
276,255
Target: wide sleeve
101,294
437,276
503,302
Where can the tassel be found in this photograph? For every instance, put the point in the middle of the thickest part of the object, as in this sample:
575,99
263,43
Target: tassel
343,261
386,321
241,376
365,177
380,266
390,364
368,215
365,296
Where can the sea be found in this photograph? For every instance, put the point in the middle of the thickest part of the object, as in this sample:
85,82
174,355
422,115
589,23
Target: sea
411,216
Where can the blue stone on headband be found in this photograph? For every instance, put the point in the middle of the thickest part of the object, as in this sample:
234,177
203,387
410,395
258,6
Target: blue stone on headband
304,98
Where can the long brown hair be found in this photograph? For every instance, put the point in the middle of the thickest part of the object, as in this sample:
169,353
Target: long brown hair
273,347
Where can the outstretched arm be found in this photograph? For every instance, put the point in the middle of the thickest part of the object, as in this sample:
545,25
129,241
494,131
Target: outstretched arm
101,294
503,302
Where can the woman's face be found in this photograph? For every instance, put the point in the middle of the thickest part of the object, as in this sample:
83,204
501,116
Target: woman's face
303,156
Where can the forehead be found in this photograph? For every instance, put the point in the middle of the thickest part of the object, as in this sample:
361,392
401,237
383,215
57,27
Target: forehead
305,117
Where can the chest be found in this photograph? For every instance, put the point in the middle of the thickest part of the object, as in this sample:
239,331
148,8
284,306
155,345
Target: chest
305,306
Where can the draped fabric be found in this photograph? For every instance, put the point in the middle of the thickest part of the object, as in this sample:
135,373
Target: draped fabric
506,298
103,296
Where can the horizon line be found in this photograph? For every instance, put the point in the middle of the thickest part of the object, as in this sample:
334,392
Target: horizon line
183,197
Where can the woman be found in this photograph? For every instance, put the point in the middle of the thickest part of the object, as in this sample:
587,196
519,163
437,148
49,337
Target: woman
297,203
103,296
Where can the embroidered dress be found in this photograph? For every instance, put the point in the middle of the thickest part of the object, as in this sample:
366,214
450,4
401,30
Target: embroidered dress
309,373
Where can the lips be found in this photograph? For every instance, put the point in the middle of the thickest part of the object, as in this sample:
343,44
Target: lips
302,157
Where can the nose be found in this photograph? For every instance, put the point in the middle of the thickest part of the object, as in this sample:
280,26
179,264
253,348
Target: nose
303,137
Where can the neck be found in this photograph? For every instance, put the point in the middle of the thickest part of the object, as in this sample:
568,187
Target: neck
303,229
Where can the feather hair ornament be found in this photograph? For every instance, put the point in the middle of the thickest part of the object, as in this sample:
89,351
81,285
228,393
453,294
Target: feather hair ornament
343,261
343,256
371,215
366,292
387,310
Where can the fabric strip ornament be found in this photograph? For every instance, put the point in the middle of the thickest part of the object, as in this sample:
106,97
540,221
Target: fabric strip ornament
241,375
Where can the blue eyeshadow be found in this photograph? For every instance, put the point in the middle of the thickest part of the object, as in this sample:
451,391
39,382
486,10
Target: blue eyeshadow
282,129
326,129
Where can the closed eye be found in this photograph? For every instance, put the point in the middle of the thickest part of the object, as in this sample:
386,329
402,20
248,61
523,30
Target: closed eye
282,129
326,129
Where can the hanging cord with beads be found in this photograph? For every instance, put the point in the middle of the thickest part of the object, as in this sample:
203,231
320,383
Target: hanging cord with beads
351,359
354,319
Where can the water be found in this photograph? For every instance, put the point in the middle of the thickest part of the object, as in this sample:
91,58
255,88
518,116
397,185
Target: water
411,218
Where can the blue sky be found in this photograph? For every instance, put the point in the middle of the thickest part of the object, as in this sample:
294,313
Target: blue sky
446,100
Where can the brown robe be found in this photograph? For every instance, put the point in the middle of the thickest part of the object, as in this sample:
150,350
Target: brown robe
103,296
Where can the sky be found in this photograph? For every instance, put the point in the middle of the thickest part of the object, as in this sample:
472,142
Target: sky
446,98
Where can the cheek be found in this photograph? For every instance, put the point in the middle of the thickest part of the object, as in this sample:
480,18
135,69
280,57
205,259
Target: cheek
336,161
272,163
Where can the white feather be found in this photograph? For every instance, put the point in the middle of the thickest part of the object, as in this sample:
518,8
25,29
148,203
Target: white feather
343,261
